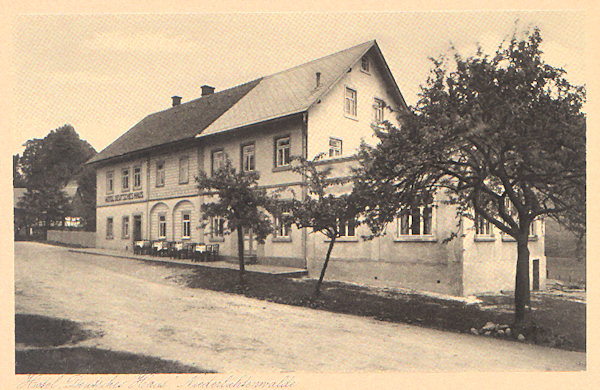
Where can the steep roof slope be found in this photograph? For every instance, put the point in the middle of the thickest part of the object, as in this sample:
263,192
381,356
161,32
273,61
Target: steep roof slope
288,92
175,124
280,94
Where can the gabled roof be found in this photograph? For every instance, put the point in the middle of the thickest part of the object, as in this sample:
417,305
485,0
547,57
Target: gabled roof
285,93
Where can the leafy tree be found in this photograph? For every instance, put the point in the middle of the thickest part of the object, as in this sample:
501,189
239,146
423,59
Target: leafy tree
47,165
86,181
240,202
18,179
502,135
322,210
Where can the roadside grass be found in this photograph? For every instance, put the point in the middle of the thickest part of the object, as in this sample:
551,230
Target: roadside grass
553,322
40,349
84,360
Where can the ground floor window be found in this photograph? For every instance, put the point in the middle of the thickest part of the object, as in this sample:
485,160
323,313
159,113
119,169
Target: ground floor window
217,227
347,228
187,224
162,226
125,227
416,221
109,227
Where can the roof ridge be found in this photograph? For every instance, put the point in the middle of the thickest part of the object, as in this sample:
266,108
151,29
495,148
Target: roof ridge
320,58
258,79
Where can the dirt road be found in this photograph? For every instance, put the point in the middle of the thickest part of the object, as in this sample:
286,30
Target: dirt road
140,308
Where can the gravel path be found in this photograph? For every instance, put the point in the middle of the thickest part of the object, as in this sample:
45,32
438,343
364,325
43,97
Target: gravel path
141,309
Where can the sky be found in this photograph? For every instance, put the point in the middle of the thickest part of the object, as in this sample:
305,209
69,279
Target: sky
104,73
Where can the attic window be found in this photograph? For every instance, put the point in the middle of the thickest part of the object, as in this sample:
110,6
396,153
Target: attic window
364,64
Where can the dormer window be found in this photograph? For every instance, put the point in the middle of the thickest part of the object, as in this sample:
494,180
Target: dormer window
364,64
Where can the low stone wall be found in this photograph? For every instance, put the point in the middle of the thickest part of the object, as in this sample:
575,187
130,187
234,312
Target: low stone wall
73,237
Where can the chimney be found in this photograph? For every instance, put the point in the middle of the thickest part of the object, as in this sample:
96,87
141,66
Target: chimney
207,90
176,100
318,79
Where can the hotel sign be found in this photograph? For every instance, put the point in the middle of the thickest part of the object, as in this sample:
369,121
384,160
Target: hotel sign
129,196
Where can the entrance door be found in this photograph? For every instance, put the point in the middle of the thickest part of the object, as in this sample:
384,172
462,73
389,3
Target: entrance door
536,275
249,243
137,228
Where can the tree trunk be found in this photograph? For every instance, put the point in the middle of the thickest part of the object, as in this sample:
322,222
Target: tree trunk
522,279
320,281
240,236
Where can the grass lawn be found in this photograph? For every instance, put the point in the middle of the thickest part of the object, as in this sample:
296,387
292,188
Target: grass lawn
45,334
553,321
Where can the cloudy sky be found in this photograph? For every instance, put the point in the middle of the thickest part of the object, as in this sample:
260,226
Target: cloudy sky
104,73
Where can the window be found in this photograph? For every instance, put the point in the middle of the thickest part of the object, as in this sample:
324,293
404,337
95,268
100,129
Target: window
532,229
187,225
160,173
416,221
137,177
109,182
482,226
217,227
218,160
162,226
335,147
378,106
125,227
281,229
184,169
125,179
282,152
350,102
109,227
347,228
364,64
248,158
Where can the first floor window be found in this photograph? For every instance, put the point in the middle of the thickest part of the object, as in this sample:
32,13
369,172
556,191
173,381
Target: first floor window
218,160
162,226
282,229
532,229
109,182
482,226
350,102
347,228
416,221
248,158
184,168
187,224
378,110
125,227
335,147
282,152
364,64
218,227
137,177
109,227
160,173
125,179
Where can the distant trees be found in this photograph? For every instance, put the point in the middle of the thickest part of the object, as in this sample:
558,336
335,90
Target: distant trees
503,136
45,167
239,202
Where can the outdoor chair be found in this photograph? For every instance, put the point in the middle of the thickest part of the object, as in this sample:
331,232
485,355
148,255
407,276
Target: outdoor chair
157,248
166,249
176,250
200,252
137,247
213,252
187,251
